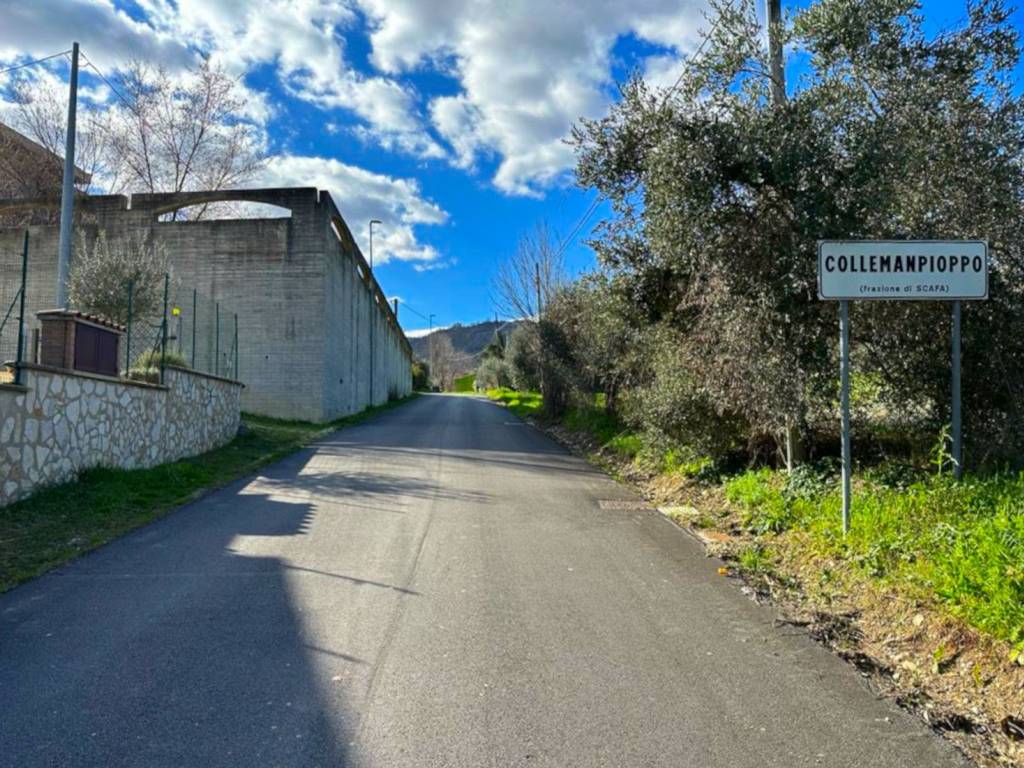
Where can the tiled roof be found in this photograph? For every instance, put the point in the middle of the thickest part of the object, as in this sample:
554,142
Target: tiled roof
76,315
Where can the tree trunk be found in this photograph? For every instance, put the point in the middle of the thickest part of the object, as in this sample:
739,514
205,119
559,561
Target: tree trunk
796,450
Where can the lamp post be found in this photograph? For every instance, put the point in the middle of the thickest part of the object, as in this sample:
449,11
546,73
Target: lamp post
373,310
372,222
430,347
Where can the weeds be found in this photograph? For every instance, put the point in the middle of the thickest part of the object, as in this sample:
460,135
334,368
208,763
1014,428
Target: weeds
962,542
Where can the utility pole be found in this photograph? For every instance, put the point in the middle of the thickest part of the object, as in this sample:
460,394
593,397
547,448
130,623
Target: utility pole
68,190
774,17
395,302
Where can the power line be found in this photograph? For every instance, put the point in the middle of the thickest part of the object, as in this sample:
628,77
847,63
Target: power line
109,84
593,205
414,311
33,63
695,54
582,222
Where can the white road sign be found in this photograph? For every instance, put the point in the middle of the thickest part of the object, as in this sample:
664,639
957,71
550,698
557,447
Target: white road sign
903,269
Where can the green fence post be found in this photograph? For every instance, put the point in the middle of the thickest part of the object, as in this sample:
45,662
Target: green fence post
128,335
21,314
236,346
195,309
163,334
216,343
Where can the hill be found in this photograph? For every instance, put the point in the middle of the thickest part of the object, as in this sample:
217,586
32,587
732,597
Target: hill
468,340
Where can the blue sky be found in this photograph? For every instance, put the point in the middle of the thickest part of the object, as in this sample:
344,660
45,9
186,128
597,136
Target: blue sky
445,119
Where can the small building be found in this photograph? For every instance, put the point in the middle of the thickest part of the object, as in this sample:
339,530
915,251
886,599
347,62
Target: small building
30,171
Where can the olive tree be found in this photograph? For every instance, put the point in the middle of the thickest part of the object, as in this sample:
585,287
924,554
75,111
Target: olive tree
720,197
103,270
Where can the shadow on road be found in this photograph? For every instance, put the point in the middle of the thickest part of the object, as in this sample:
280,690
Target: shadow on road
169,649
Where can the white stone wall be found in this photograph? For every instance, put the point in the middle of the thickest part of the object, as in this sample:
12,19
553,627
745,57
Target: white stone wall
60,423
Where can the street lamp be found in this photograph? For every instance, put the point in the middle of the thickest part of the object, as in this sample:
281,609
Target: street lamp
430,346
372,222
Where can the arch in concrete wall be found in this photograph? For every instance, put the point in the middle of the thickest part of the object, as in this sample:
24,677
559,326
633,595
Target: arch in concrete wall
250,211
169,202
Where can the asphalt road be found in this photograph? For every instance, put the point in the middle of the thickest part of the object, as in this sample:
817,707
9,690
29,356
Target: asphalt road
439,586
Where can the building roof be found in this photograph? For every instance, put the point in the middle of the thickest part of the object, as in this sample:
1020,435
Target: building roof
71,314
41,153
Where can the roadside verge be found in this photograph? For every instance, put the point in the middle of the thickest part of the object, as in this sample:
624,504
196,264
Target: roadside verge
61,522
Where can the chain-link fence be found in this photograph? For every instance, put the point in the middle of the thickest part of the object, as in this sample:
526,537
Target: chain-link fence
13,268
203,331
178,325
165,321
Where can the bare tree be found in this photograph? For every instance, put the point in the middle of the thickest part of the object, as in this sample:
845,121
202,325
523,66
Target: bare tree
528,279
41,114
163,133
444,363
183,133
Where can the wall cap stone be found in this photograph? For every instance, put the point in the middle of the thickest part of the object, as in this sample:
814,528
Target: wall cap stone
18,388
203,374
95,376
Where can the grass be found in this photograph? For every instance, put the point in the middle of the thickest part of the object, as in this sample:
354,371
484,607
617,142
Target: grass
465,383
960,543
522,404
61,522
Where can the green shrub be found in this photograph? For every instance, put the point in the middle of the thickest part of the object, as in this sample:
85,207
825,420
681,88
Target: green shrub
685,461
626,444
523,357
464,383
151,359
147,365
759,494
755,559
420,375
522,404
671,410
493,373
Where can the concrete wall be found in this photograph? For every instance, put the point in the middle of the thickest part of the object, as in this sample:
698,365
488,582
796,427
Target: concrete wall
309,312
61,422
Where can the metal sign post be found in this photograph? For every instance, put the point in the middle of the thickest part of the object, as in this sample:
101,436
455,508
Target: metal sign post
900,270
844,401
956,426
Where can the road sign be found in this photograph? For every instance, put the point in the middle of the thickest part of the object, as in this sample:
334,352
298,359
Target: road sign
900,270
916,270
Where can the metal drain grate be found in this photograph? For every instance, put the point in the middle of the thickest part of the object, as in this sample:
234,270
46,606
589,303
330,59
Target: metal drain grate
623,504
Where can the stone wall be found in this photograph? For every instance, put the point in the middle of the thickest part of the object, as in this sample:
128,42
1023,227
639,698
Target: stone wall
61,422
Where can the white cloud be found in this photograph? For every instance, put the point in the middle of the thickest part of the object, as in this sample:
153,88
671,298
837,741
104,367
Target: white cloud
419,333
524,70
304,39
362,195
107,35
528,70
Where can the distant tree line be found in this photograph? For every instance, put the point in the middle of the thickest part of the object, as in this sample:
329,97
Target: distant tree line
702,325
